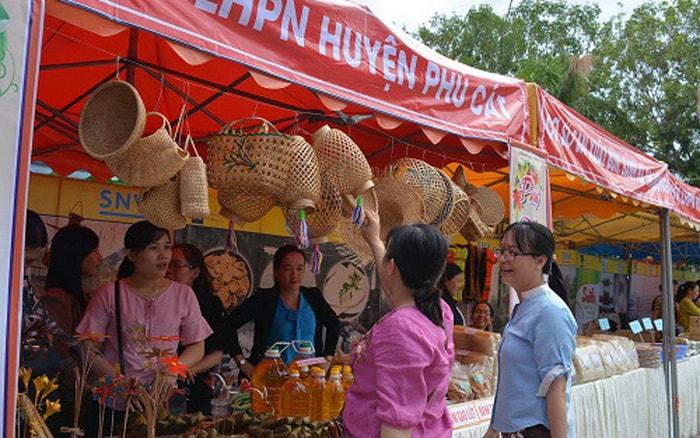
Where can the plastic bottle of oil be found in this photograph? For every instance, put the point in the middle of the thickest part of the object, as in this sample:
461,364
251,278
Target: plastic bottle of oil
295,398
305,375
334,395
268,377
317,390
304,355
348,378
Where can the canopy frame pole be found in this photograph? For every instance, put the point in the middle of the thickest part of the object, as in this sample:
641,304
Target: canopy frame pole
669,325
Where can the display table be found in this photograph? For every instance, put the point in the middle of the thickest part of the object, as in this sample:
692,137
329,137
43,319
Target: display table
630,405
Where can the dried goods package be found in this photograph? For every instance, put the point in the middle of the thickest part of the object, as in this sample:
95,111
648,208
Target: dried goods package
480,341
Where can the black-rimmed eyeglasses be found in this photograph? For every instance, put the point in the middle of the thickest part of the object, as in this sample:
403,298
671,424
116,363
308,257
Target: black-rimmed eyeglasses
508,255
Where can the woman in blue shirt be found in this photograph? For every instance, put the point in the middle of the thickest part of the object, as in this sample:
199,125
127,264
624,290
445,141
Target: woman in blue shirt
288,311
536,353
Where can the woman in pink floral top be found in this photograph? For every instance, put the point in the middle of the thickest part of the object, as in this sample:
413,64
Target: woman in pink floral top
403,365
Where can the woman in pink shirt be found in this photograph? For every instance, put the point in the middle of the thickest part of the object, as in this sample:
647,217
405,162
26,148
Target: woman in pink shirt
402,365
154,311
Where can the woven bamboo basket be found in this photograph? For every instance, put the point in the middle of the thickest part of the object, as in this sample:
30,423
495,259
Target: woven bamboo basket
303,184
249,156
449,204
429,183
491,205
160,205
151,160
462,207
112,119
338,154
474,228
194,188
241,208
324,219
399,203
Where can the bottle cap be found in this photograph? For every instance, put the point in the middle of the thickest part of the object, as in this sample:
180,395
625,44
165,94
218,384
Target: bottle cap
347,369
317,371
293,372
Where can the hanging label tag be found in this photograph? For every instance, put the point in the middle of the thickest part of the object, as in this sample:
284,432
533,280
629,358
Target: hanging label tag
604,324
636,327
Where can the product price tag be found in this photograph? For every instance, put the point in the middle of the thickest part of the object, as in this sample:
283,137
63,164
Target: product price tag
463,414
636,327
647,324
484,408
604,324
659,324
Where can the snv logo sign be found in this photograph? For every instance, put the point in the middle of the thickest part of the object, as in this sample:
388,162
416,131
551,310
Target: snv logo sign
116,203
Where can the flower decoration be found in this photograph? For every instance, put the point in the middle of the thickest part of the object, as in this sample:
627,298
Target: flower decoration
42,407
104,390
43,386
52,407
25,374
175,367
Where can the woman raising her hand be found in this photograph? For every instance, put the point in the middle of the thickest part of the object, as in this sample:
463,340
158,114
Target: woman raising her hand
402,366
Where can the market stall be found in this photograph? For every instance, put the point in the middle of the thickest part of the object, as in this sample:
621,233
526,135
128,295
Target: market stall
410,102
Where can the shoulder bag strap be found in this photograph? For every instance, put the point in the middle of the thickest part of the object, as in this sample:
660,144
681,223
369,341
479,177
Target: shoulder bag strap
118,313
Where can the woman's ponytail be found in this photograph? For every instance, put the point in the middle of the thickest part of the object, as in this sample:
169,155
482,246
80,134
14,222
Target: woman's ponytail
556,282
428,302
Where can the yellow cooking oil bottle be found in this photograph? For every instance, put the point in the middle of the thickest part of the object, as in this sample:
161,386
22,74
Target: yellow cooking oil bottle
305,355
268,378
295,399
348,378
334,395
317,391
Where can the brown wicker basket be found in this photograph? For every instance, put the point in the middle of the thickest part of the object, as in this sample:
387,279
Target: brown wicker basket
241,208
474,228
491,205
249,156
456,221
112,119
160,205
429,183
338,154
150,161
399,203
303,184
449,204
324,219
194,189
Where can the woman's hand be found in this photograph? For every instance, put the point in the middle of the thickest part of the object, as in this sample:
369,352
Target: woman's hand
247,370
370,227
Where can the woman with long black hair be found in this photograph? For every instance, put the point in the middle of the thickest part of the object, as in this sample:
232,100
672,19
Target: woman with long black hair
187,267
402,366
537,350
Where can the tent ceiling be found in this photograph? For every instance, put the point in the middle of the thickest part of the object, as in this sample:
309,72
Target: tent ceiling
212,91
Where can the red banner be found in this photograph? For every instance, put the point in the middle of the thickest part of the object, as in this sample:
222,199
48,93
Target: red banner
582,148
342,50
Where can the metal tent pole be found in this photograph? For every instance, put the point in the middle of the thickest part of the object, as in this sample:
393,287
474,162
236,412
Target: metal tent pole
669,326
